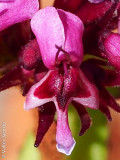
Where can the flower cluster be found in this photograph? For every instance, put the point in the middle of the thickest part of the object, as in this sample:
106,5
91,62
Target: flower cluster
52,69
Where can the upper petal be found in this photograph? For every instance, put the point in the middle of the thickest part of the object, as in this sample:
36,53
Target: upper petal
15,11
53,28
73,42
49,31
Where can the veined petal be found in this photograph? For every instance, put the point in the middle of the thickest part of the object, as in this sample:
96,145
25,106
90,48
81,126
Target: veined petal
44,91
91,101
65,141
16,11
53,28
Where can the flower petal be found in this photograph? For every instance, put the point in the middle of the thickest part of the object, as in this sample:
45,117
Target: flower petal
44,91
91,101
16,11
112,48
84,116
112,78
51,30
12,78
65,141
108,100
89,17
7,1
105,110
46,117
73,46
95,1
71,5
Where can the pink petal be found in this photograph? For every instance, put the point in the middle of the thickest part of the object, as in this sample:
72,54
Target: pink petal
51,30
91,101
112,48
65,141
7,1
16,11
73,42
44,91
95,1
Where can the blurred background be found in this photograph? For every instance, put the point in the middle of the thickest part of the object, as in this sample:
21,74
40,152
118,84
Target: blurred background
18,129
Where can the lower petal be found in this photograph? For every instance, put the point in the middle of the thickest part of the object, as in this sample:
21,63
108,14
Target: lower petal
105,110
46,117
84,117
65,141
91,101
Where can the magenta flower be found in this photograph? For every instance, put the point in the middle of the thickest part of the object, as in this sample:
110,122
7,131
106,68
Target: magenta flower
14,11
62,53
51,69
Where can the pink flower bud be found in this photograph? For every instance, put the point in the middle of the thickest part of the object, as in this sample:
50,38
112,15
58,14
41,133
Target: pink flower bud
112,48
